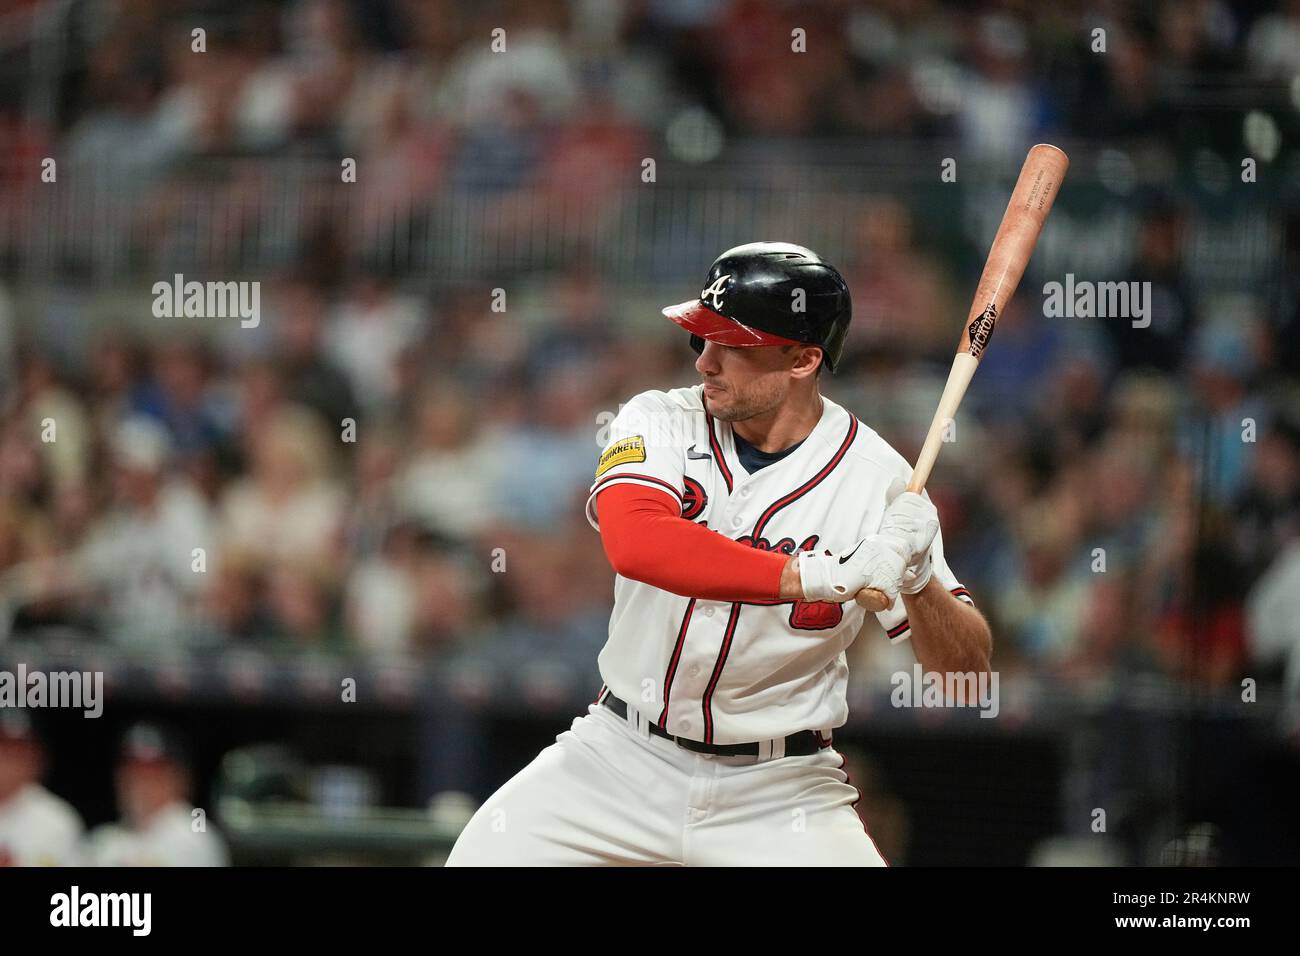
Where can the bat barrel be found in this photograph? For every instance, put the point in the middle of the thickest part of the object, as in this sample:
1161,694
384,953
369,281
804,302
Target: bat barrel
1031,200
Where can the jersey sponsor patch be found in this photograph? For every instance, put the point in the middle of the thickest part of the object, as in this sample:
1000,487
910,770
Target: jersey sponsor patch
621,452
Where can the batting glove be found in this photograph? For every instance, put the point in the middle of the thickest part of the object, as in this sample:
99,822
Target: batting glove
874,562
912,521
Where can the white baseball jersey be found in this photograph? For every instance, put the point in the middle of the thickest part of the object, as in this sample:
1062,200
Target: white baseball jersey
38,829
168,840
736,672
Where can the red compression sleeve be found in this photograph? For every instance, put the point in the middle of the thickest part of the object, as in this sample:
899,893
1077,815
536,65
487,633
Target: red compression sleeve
646,539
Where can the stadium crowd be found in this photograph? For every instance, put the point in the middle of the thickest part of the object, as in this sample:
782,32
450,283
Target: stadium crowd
386,464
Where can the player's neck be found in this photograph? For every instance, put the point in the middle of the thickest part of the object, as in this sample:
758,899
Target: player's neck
783,426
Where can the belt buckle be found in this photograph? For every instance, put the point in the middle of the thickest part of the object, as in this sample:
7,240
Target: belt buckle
771,749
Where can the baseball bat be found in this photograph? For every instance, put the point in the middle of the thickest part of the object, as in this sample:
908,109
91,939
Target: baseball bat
1031,201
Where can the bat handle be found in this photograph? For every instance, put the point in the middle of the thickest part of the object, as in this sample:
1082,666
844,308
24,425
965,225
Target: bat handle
959,378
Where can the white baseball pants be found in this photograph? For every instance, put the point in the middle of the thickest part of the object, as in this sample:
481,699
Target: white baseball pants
608,793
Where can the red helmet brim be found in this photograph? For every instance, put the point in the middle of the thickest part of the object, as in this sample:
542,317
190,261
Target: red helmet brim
698,319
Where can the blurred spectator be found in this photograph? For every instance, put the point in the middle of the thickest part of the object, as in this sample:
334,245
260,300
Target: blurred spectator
1273,44
901,298
233,604
300,603
159,827
288,508
1160,339
36,827
310,378
1028,350
371,328
481,86
376,507
131,135
446,611
138,560
557,618
1273,623
415,596
1127,83
1224,411
453,463
114,374
547,462
1203,634
1002,108
55,420
1267,509
1044,602
179,395
380,598
578,326
404,161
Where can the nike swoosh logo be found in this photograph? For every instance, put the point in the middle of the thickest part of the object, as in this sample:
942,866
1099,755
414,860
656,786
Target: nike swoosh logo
696,455
845,557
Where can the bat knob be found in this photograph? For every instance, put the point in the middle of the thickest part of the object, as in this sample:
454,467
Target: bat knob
873,600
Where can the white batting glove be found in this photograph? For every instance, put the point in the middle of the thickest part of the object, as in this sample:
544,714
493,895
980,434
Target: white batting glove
912,522
874,562
915,578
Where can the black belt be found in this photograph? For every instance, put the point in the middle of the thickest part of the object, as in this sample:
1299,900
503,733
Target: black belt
802,744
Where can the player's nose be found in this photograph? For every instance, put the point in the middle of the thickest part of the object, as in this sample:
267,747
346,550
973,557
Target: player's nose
707,362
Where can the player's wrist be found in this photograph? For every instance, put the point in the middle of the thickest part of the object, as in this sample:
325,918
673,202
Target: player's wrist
821,577
791,587
814,576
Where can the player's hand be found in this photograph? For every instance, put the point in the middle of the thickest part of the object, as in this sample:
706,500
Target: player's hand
912,521
874,562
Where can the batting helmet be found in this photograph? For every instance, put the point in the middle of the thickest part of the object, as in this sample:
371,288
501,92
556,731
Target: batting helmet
770,293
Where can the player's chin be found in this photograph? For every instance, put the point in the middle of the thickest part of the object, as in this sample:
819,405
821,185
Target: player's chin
715,400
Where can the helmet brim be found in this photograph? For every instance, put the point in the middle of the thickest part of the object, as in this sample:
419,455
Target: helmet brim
698,319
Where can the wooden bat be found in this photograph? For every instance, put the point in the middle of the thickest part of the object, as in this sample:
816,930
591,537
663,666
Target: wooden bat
1031,201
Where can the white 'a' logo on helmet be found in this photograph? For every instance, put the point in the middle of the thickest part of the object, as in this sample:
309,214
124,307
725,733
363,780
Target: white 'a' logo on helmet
716,290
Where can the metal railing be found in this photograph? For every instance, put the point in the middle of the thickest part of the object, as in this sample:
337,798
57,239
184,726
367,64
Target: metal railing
251,218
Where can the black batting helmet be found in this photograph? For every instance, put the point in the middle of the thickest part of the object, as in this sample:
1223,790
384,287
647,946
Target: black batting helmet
770,293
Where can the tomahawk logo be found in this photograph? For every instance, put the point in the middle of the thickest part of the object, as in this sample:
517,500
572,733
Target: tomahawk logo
719,286
133,910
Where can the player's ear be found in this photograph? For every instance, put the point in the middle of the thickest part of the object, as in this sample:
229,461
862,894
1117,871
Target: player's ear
808,361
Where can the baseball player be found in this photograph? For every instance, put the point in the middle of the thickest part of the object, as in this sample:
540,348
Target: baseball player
742,516
158,825
36,827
